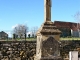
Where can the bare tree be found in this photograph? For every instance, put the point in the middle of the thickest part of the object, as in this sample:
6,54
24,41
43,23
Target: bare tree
77,18
34,30
20,30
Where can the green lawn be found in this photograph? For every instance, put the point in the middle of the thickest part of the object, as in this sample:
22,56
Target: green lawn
34,39
27,39
73,38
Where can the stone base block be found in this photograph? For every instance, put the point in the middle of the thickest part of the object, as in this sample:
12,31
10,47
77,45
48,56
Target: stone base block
48,58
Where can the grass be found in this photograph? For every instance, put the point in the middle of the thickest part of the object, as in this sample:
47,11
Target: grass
34,39
73,38
27,39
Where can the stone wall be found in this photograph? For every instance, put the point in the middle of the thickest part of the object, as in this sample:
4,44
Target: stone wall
22,50
69,45
17,50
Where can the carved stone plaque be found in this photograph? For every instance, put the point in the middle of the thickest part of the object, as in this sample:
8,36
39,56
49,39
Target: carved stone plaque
50,47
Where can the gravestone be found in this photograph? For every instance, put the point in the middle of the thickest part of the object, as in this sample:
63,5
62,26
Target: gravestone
47,47
73,55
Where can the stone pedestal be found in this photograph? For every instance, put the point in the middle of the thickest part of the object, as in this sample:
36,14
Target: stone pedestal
49,58
47,47
47,42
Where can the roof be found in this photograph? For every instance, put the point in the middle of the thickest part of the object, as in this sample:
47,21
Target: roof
2,32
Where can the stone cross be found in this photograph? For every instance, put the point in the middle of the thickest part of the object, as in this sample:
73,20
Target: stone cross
47,47
47,10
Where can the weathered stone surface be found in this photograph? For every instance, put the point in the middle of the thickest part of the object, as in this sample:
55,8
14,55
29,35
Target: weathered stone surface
50,47
47,10
51,58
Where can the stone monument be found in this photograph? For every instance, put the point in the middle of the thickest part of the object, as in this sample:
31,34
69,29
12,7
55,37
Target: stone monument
47,47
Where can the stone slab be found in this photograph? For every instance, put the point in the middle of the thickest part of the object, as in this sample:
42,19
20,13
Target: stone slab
49,58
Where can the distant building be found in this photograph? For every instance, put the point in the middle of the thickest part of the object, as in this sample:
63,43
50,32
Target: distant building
3,35
68,28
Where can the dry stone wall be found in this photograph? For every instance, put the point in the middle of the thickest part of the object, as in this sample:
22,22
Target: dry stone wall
17,50
26,50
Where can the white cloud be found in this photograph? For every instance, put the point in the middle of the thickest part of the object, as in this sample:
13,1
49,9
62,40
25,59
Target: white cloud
9,34
14,26
29,33
18,24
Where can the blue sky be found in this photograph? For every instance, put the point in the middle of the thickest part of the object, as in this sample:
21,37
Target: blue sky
31,12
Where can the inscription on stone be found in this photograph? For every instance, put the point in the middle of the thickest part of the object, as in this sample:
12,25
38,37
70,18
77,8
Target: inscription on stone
50,47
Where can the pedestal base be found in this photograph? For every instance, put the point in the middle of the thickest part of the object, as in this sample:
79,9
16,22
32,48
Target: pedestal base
48,58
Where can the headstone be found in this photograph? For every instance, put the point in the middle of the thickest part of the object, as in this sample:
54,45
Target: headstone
73,55
47,37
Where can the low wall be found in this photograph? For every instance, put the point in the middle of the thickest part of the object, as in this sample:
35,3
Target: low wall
22,50
19,50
